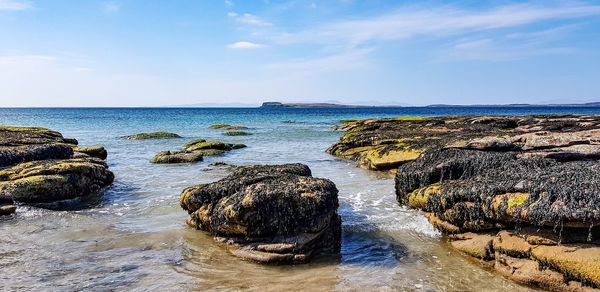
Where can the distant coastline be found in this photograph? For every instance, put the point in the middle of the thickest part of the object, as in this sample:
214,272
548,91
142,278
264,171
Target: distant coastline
276,104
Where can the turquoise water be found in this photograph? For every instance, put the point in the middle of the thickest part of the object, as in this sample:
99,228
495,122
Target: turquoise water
136,238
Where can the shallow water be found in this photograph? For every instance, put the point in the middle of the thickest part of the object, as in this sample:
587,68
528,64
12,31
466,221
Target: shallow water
135,238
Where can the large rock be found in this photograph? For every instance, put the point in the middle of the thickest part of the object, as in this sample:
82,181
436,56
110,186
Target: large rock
39,166
511,191
268,214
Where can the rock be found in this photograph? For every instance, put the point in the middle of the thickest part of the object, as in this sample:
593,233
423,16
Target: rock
476,245
177,157
268,214
153,135
93,151
237,133
521,192
7,209
54,180
194,151
227,127
39,166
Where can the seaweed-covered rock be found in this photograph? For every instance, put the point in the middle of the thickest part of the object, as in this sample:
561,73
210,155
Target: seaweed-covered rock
227,127
153,135
39,166
268,214
487,182
194,151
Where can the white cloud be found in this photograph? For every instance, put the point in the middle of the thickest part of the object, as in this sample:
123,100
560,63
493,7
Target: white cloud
111,7
245,45
24,61
249,19
442,21
13,5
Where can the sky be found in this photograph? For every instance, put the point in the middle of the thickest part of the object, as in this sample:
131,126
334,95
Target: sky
163,53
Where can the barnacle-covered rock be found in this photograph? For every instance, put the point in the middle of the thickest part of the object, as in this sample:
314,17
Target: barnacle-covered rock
152,135
269,213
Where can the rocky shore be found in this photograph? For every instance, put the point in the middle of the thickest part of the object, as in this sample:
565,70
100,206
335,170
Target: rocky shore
40,166
194,151
268,213
521,194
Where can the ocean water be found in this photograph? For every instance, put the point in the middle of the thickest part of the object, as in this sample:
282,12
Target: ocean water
136,239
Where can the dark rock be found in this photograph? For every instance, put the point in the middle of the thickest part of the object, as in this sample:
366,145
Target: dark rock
194,151
93,151
177,157
268,214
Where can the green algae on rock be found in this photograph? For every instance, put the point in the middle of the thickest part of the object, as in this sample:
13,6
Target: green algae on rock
153,135
268,213
37,165
510,191
194,151
227,127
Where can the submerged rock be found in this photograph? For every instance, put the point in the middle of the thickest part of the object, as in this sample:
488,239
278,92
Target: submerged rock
268,213
237,133
227,127
153,135
510,191
39,166
194,151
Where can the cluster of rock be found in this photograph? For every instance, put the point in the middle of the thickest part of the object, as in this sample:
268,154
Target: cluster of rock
39,165
194,151
268,214
519,193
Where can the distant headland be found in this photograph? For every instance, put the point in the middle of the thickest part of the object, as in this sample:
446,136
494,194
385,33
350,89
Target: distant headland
276,104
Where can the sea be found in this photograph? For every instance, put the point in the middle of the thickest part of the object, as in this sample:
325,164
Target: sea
135,238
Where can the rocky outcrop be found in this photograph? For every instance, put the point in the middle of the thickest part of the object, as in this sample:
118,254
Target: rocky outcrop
194,151
153,135
40,166
268,214
237,133
520,193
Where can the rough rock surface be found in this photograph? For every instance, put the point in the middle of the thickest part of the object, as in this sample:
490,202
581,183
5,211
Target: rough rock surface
153,135
227,127
268,214
39,166
194,151
520,192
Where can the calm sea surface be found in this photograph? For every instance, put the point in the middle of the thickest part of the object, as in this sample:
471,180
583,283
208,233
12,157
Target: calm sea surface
136,238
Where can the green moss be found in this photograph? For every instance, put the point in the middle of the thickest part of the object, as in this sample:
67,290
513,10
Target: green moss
237,133
517,199
411,118
37,130
227,127
154,135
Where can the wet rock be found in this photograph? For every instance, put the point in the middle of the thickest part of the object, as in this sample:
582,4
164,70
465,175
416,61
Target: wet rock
237,133
194,151
227,127
177,157
39,166
93,151
523,192
268,214
153,135
7,209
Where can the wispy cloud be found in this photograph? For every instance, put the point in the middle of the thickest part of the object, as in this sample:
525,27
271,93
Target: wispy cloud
344,61
228,3
26,60
441,21
14,5
249,19
243,45
111,7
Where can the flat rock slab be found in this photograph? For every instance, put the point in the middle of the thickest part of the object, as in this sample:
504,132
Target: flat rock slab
268,213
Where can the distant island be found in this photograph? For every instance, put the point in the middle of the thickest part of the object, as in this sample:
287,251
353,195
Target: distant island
276,104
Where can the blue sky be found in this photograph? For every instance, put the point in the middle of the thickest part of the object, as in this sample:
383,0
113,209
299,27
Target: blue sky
155,53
